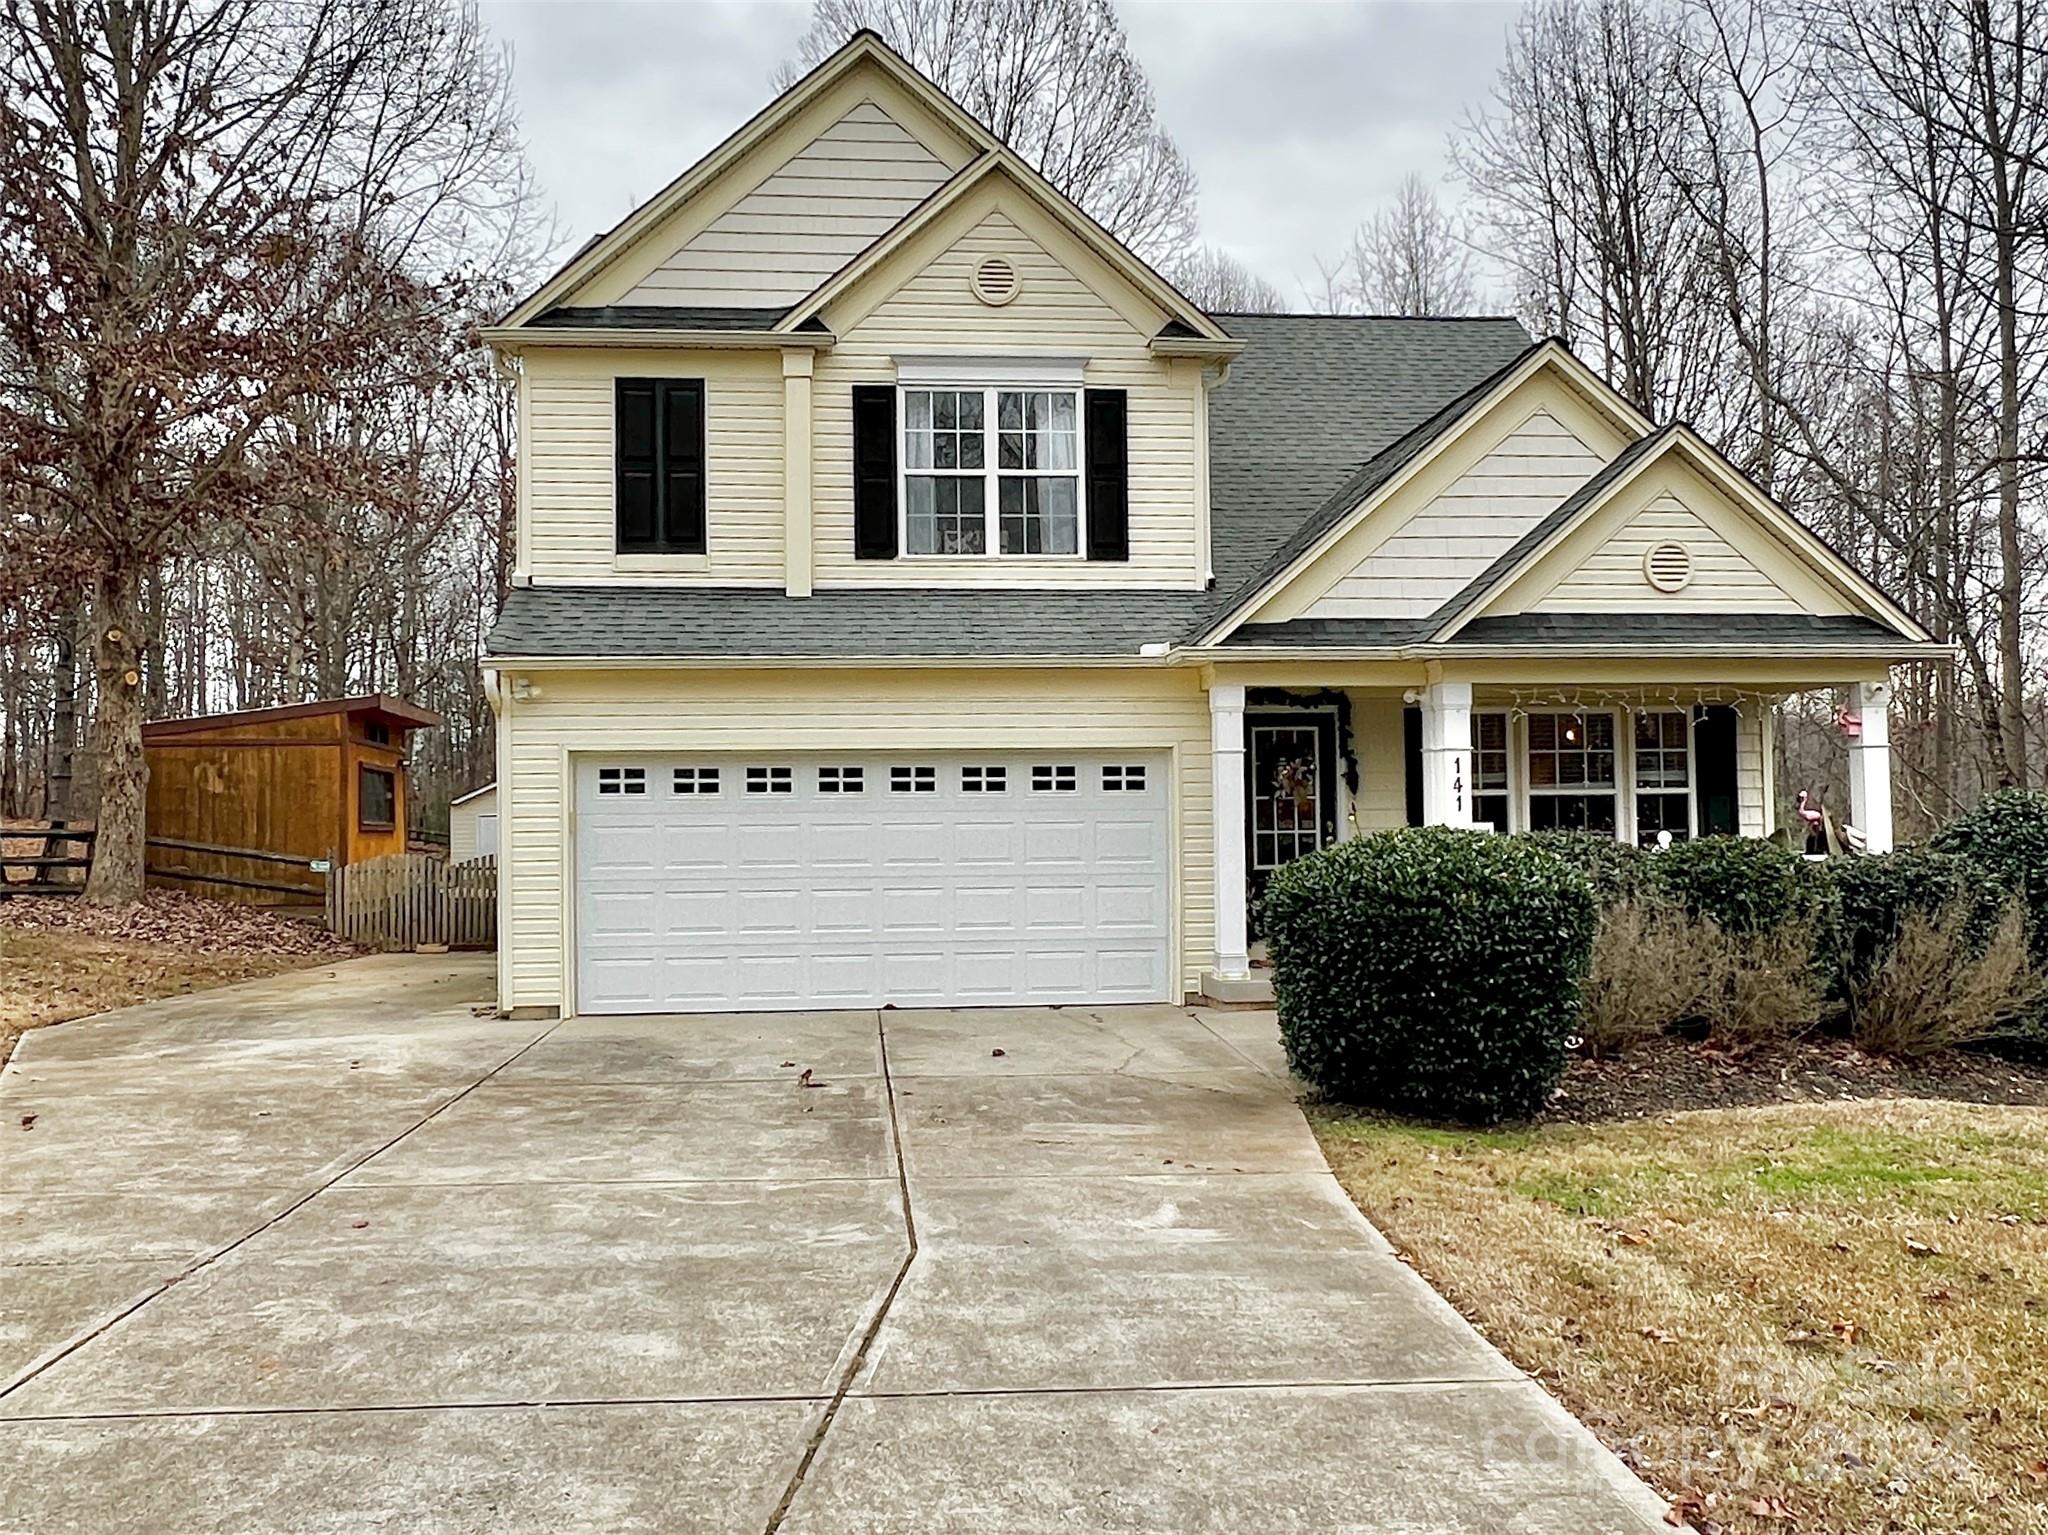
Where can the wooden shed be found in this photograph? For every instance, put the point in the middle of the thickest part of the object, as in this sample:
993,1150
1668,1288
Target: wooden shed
321,780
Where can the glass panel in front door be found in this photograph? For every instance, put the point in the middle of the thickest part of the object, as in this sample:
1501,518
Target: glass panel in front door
1292,809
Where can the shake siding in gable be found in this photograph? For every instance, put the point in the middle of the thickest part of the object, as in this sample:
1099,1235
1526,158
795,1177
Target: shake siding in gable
569,469
828,710
816,212
1468,526
1055,314
1612,579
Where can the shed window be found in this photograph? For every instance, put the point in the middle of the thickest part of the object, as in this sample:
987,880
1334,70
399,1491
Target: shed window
377,732
376,799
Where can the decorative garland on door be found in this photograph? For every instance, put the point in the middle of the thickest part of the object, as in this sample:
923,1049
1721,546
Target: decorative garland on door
1266,698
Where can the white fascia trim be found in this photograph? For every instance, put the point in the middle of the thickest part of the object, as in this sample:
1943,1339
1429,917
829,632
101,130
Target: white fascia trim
514,339
464,799
981,369
822,663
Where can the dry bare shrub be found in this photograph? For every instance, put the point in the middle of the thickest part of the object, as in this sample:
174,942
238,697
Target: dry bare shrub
1648,971
1759,987
1939,986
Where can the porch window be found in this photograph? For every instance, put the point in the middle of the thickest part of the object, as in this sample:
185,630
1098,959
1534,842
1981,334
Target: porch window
1490,770
1663,776
1571,772
1018,494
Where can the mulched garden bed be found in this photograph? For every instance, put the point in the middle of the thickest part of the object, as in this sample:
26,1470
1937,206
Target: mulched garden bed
1673,1075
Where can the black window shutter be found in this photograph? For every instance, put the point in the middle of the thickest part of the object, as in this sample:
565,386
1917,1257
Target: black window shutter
874,471
682,442
1713,741
1411,758
639,520
1109,475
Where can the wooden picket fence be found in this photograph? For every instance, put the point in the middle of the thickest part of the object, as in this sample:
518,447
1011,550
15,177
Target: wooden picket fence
411,900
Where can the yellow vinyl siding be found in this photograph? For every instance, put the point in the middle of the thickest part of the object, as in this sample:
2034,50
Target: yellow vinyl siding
1464,529
568,470
1613,580
825,710
1440,523
1056,314
828,202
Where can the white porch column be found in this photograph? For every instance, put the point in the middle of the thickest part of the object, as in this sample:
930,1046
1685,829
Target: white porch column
797,365
1226,758
1870,765
1447,754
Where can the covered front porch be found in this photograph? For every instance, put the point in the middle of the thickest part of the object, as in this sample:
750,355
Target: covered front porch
1306,753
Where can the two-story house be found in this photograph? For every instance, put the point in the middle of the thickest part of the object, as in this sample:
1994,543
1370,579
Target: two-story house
920,602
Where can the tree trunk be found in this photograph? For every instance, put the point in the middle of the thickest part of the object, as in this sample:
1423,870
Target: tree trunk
116,877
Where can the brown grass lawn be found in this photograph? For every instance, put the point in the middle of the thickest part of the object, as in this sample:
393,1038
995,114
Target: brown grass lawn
1827,1318
49,976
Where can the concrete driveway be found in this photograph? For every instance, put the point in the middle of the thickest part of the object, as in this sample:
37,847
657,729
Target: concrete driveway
336,1252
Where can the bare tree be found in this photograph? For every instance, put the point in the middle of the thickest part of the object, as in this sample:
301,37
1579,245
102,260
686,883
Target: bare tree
1057,82
1409,258
1576,169
210,217
1221,284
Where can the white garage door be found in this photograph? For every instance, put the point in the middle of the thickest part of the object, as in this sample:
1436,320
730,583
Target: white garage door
718,882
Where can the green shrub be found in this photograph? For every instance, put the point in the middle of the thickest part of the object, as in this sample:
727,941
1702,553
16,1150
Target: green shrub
2007,836
1875,894
1742,884
1617,871
1431,971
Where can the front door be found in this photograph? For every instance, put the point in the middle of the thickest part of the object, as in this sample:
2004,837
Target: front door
1291,785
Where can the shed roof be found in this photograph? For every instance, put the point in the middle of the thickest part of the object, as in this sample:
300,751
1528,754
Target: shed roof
393,711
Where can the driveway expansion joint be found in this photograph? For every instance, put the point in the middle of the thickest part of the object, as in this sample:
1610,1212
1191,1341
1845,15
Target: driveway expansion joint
37,1367
853,1366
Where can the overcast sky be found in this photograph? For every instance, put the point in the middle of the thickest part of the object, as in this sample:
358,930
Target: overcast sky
1299,118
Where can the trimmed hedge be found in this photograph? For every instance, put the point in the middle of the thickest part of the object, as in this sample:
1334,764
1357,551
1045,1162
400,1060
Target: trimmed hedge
1744,884
1431,971
1876,893
1617,871
2006,835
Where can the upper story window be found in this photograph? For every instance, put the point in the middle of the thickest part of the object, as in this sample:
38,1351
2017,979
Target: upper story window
659,458
1018,494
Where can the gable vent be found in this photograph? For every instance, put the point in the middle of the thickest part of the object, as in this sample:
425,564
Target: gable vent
1668,567
995,281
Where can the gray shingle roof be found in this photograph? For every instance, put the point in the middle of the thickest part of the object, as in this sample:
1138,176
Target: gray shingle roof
646,621
665,317
1679,630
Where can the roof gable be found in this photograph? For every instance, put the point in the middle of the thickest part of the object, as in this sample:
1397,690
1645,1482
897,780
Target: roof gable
1389,491
920,276
838,194
1000,179
810,119
1742,552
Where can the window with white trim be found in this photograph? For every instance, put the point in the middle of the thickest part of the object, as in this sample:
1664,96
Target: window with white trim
770,780
1018,495
1571,772
841,780
1490,770
1663,775
1123,778
1053,778
913,780
694,780
983,780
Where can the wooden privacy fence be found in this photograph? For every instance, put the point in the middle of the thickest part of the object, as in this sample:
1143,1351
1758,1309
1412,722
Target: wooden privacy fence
413,899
